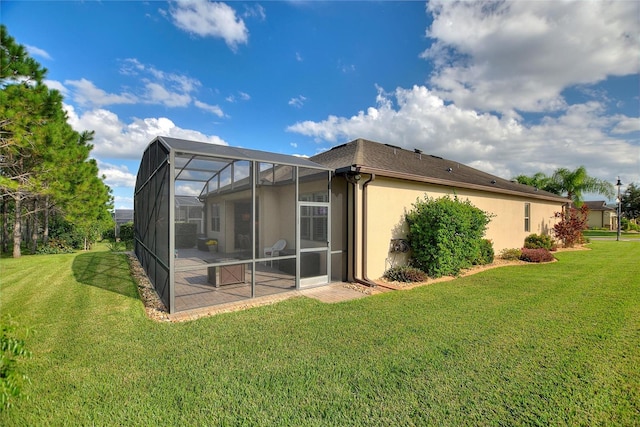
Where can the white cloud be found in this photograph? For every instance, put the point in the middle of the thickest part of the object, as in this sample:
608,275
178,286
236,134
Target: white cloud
214,109
242,96
346,68
87,94
502,145
133,67
298,101
521,55
255,11
54,84
153,86
36,51
116,139
117,176
626,125
210,20
122,202
158,94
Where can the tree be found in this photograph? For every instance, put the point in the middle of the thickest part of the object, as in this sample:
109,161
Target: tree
574,183
571,184
540,181
44,163
630,201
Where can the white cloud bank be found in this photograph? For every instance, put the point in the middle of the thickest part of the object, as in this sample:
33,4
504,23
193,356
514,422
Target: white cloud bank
116,139
418,118
521,55
492,62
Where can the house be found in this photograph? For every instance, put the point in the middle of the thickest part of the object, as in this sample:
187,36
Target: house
273,223
190,209
601,216
380,183
121,216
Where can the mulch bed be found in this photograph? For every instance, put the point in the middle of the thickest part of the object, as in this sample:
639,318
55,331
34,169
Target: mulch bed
153,306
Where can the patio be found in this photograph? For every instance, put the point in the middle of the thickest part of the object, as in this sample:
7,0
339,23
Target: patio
207,286
191,195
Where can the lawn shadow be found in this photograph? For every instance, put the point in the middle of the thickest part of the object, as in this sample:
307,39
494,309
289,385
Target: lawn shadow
105,270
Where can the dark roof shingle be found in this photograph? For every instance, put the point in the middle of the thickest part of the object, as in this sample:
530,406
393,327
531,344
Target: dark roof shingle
396,162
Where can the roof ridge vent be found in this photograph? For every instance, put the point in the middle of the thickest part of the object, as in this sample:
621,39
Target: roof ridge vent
436,157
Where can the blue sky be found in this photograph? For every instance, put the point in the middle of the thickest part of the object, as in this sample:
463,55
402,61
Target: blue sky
509,88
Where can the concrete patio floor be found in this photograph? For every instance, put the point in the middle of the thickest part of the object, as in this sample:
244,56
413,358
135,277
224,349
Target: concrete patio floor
332,293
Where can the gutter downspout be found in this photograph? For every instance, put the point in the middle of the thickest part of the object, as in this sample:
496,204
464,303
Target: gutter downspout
365,280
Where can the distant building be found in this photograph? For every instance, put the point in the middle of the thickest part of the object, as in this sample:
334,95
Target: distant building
122,216
601,215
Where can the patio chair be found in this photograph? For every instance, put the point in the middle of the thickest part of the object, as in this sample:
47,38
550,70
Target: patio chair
275,249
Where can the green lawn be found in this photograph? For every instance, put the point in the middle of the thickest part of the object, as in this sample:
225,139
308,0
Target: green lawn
553,344
610,234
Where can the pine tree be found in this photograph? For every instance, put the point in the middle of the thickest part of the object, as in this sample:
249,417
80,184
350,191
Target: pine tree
44,164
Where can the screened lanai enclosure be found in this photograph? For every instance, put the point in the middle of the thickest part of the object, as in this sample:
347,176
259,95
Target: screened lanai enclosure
217,224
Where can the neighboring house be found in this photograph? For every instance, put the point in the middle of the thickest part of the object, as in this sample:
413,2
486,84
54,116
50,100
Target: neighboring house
601,215
190,209
121,216
340,214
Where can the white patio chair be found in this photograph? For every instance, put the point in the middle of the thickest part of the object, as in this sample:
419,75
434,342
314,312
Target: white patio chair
275,250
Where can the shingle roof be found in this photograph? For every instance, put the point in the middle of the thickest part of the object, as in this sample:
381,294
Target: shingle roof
387,160
599,205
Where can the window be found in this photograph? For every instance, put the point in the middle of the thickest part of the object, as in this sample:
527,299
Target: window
215,217
313,219
527,217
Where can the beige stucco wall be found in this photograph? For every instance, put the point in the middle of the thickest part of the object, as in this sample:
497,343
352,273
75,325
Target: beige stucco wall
388,200
599,219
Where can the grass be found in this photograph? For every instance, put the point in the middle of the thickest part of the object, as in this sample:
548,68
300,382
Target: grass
610,234
552,344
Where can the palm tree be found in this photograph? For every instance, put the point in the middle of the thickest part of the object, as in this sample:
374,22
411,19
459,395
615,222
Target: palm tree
574,183
540,181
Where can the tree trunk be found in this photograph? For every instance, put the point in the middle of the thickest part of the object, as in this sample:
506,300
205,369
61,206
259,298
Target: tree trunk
45,233
34,228
5,225
17,226
27,220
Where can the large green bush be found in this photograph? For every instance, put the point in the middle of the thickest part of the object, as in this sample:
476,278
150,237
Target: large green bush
538,241
445,235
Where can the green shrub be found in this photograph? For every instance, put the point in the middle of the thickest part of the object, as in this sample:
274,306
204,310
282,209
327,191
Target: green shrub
627,225
115,246
11,347
511,254
405,273
486,253
56,246
538,241
536,255
126,231
445,235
